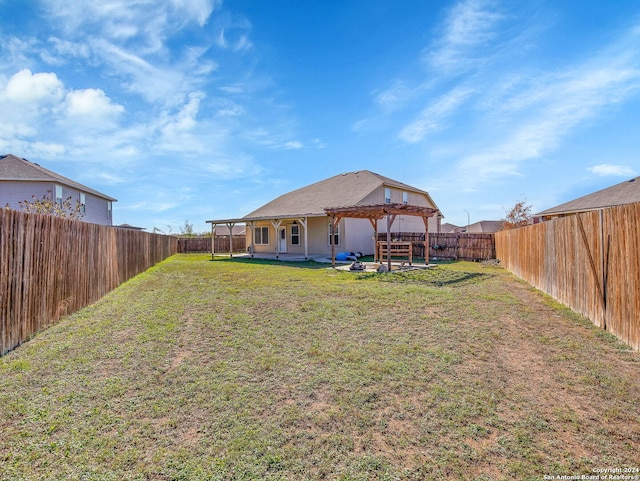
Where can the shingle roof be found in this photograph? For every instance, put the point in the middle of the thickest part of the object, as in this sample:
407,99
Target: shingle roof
15,168
486,226
626,192
348,189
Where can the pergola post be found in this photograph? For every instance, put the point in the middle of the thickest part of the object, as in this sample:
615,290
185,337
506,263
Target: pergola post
252,246
374,224
276,225
304,222
389,222
213,240
426,239
334,222
230,226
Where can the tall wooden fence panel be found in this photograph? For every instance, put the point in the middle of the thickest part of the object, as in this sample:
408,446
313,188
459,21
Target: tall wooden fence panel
589,262
454,246
203,244
50,267
458,246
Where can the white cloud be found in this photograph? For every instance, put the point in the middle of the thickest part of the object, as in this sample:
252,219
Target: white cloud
318,143
26,87
91,103
293,145
431,118
233,34
469,25
394,97
148,21
604,170
106,178
185,119
545,110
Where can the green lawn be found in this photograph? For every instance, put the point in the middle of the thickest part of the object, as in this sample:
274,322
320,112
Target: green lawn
242,370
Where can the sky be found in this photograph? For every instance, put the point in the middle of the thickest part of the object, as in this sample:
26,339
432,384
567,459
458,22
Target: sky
192,110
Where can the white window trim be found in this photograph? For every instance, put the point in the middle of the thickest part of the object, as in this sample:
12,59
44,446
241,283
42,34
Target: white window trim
59,197
295,237
337,234
387,195
263,229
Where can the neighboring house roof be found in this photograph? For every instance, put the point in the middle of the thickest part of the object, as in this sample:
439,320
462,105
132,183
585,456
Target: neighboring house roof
223,230
130,227
486,226
627,192
483,226
348,189
14,168
447,228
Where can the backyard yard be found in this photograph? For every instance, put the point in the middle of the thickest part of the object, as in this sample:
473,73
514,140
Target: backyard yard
243,369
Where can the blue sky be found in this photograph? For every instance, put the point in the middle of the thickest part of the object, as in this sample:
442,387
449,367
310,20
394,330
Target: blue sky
204,109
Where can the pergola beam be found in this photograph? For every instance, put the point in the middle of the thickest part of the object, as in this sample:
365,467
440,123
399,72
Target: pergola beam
375,212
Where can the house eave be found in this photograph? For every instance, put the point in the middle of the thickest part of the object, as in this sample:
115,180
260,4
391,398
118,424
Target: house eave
244,220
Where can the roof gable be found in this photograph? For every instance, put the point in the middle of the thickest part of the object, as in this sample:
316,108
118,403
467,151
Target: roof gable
13,168
348,189
623,193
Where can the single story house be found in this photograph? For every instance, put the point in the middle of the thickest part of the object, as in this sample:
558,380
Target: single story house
22,180
341,213
627,192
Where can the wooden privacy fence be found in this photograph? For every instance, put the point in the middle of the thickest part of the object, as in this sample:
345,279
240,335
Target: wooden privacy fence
590,262
203,244
50,267
455,246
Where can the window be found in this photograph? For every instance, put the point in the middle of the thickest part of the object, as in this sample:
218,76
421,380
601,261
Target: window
405,198
387,195
261,235
83,203
295,234
109,209
59,195
336,234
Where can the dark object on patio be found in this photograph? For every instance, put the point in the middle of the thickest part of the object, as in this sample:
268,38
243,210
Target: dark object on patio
357,266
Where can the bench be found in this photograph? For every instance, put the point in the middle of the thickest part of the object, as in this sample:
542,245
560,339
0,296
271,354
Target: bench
395,249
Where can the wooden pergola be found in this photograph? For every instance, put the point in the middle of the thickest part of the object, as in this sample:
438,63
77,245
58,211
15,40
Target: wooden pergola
375,212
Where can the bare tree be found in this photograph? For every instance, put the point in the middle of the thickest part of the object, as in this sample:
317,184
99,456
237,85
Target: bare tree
187,229
519,215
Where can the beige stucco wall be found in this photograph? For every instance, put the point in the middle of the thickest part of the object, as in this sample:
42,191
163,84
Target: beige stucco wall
355,235
317,237
414,198
403,223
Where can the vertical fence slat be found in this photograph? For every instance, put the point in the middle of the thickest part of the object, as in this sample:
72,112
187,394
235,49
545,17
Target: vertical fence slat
50,267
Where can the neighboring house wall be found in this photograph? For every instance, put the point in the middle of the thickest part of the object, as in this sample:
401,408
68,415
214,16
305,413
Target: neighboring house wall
97,209
14,192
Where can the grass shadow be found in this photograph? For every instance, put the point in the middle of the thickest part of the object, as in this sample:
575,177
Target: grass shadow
433,277
308,264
